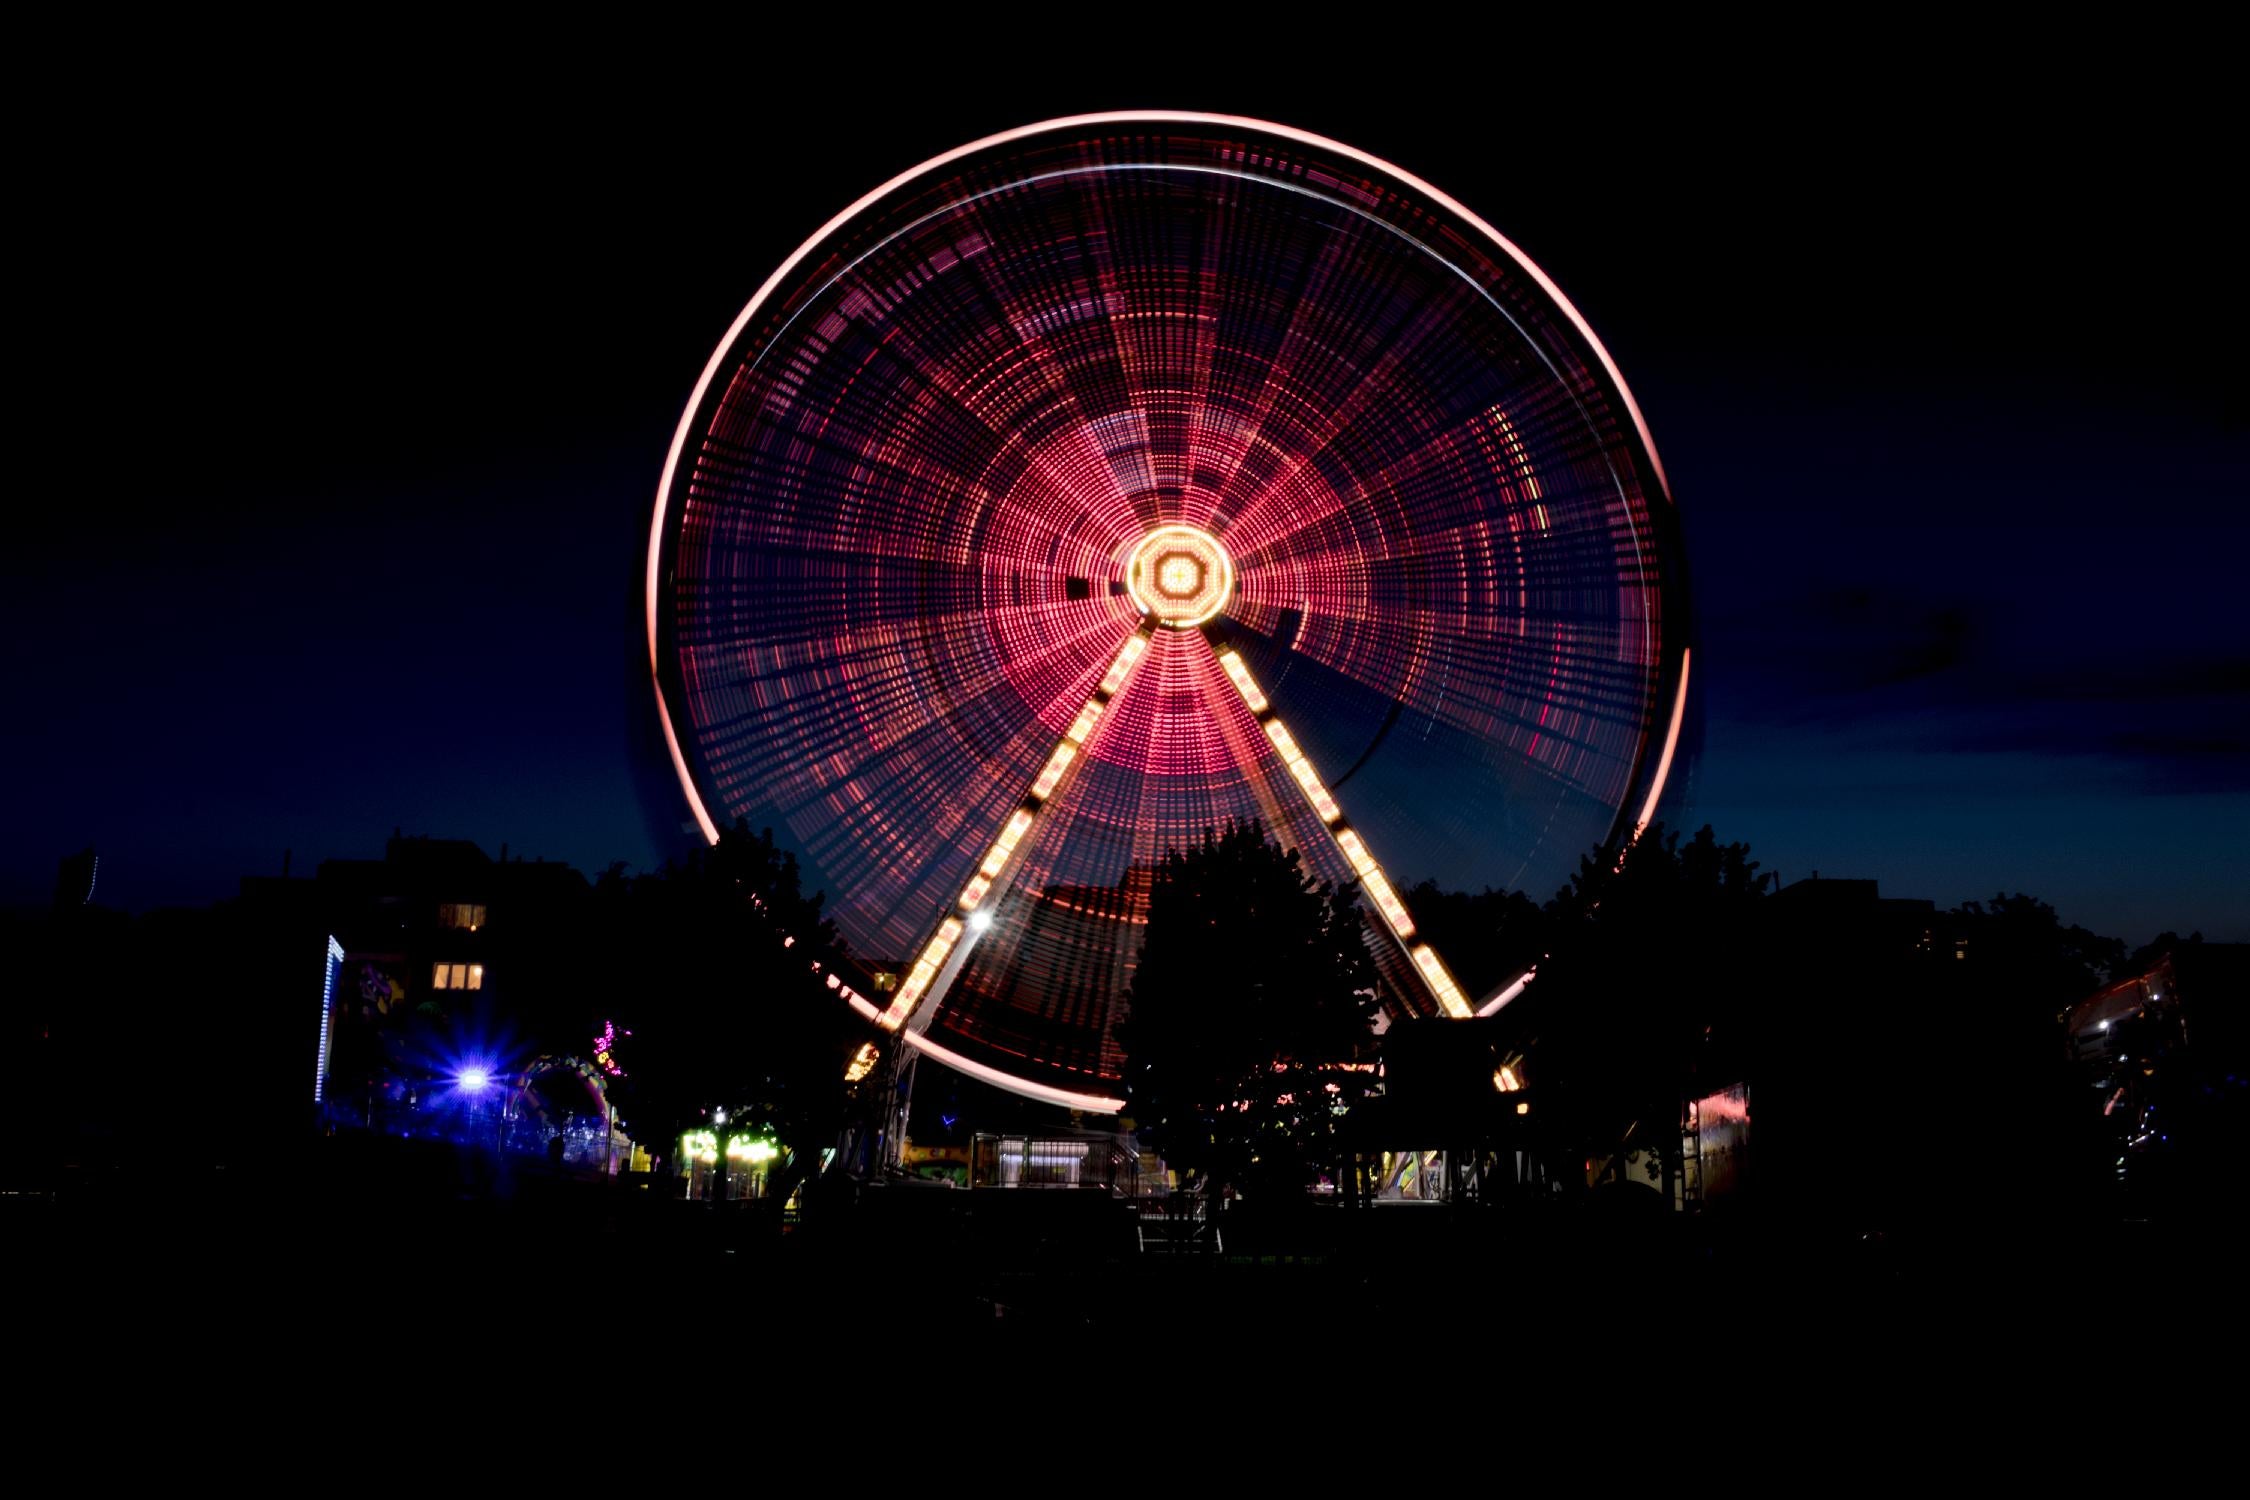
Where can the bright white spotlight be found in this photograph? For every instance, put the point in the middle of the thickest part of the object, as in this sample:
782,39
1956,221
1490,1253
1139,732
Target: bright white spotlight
980,921
475,1080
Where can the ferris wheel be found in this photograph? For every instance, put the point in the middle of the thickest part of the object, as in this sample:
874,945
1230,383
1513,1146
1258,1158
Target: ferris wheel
1100,481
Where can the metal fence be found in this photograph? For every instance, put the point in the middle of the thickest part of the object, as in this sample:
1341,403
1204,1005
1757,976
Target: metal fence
1105,1163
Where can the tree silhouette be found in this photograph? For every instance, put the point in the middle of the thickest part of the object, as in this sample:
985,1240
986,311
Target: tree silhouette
1652,965
2004,1082
1254,980
718,968
2038,963
1672,974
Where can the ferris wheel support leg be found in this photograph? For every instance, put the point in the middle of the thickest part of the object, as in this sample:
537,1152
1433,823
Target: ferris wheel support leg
897,1106
1436,978
946,954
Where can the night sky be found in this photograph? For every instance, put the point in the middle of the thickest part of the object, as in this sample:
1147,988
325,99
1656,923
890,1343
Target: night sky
353,394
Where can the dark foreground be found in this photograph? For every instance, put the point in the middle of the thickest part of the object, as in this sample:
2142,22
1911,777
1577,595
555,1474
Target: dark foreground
356,1259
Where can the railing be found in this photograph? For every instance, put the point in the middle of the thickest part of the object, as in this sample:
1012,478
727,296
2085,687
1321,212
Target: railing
1106,1163
1179,1223
587,1144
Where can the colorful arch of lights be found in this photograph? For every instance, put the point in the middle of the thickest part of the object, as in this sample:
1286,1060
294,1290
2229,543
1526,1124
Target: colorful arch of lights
591,1078
1104,479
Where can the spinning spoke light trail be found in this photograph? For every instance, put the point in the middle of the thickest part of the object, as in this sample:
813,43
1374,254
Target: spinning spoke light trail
1103,480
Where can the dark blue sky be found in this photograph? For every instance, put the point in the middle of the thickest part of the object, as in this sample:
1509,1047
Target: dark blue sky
357,396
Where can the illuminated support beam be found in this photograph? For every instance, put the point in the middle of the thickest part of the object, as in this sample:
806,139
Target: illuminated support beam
1302,769
947,951
1244,683
1441,984
924,973
1377,884
1435,976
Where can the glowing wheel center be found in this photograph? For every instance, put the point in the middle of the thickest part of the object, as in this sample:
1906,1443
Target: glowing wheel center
1097,337
1180,574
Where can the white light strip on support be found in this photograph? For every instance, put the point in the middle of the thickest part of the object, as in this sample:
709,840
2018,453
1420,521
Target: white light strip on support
1057,763
1118,668
1019,823
1098,1104
1441,984
1371,877
1302,769
1243,681
925,970
932,962
1378,885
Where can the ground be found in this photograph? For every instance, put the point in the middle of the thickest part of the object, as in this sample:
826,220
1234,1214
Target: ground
377,1255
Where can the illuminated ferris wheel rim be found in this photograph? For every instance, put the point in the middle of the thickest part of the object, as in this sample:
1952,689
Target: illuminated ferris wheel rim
1169,598
726,345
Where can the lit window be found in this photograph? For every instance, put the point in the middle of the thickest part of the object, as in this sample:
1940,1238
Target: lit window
476,976
461,914
458,977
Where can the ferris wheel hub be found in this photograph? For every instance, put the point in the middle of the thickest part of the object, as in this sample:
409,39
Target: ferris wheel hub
1180,574
995,429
